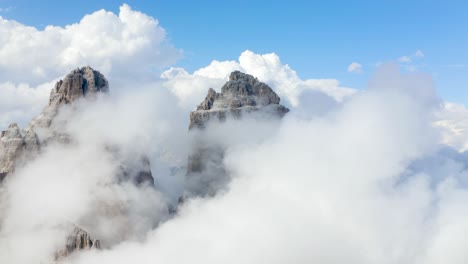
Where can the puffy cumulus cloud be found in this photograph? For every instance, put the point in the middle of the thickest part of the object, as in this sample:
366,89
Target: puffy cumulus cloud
452,120
18,103
355,67
266,67
130,42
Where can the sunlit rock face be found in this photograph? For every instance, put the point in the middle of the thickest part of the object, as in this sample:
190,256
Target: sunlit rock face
84,82
16,146
242,96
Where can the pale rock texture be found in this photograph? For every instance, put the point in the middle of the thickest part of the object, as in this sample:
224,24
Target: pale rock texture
79,83
76,241
243,95
17,146
84,82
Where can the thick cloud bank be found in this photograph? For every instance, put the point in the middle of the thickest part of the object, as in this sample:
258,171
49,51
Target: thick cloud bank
345,177
356,184
130,45
128,42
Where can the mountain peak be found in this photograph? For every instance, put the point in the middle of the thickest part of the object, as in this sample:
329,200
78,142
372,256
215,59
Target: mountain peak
241,92
79,83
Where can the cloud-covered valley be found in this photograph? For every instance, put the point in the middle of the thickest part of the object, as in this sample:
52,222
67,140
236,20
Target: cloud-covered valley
371,175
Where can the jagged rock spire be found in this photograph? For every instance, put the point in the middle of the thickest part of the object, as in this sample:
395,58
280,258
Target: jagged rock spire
241,92
79,83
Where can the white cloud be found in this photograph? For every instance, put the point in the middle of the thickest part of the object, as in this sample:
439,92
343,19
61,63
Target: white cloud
328,190
18,103
418,54
266,67
364,183
126,48
404,59
355,67
452,119
409,58
130,42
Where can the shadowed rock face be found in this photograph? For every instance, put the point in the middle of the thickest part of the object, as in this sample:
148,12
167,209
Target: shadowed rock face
243,93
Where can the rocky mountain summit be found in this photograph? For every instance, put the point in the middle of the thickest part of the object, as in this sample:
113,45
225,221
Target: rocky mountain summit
79,83
243,93
242,96
77,240
19,146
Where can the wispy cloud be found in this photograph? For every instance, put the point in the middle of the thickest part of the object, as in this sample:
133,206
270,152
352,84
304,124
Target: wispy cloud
7,9
410,58
355,67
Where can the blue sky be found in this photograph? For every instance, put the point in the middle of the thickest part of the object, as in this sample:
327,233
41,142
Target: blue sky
317,39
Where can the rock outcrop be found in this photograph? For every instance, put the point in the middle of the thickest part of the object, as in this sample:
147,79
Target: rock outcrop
77,240
79,83
16,146
243,93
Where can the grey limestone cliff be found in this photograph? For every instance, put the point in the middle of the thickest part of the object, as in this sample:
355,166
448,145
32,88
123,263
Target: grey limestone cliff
243,95
18,146
76,241
79,83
